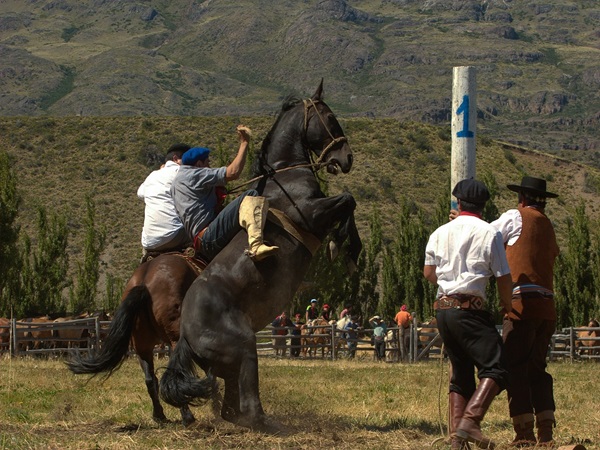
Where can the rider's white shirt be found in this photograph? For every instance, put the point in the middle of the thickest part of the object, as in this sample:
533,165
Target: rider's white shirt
161,221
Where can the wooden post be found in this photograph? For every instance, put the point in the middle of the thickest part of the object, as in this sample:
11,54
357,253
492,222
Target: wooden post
462,161
464,122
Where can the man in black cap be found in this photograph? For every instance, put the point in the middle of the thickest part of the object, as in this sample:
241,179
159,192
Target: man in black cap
460,257
531,250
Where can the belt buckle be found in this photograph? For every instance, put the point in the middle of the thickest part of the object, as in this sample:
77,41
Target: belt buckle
446,302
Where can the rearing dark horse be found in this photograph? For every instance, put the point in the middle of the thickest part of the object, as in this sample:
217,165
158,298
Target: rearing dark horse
234,297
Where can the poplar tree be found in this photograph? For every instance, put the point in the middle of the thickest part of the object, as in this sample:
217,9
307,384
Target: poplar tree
44,266
9,234
367,303
83,295
573,276
404,258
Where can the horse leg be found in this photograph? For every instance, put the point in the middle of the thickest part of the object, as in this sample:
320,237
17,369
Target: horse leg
147,364
230,410
340,209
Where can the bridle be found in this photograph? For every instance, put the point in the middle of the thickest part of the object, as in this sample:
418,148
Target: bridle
315,166
308,103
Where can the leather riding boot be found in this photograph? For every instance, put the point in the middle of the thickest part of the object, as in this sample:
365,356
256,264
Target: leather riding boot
456,407
468,428
523,426
253,217
544,422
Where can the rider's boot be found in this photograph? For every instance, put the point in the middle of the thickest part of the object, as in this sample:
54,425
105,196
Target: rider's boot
469,427
253,217
544,422
456,405
523,426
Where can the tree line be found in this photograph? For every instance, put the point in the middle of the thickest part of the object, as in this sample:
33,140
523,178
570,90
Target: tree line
34,270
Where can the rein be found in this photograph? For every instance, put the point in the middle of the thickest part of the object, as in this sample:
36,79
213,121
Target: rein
315,165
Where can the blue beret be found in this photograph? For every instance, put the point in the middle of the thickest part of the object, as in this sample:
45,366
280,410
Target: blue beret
471,191
195,154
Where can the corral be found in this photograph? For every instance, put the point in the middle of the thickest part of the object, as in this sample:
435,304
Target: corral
48,337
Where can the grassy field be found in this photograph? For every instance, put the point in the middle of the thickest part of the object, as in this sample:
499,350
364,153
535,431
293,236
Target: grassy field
319,404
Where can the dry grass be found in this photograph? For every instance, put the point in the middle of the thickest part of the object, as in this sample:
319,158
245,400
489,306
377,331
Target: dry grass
343,404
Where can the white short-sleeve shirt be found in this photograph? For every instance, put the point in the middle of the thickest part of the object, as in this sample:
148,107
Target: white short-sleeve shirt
466,252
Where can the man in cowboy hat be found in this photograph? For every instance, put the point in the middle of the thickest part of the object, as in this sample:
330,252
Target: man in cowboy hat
531,250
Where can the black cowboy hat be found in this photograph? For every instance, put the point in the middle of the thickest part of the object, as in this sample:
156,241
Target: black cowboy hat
532,186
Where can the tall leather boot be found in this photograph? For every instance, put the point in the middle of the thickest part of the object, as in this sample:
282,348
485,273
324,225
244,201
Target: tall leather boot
468,428
523,426
544,422
253,217
456,407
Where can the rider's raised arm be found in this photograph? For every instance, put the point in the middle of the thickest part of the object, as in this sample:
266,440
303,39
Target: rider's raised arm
234,170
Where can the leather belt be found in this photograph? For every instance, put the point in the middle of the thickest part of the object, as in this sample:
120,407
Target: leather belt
458,301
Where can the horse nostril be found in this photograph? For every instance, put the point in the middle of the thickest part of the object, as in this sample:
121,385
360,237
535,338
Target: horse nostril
350,159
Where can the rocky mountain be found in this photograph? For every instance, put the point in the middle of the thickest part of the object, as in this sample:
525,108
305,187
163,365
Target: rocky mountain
538,63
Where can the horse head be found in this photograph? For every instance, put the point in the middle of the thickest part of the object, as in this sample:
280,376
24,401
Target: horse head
324,135
304,130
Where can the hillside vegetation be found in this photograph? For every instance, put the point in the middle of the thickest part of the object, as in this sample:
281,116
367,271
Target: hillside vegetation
537,64
58,161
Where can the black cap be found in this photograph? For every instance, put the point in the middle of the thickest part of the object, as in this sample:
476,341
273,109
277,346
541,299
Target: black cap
471,191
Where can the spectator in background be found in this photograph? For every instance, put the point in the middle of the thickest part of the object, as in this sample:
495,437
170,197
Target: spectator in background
531,250
312,311
346,311
327,313
281,326
379,332
403,319
163,230
351,328
296,332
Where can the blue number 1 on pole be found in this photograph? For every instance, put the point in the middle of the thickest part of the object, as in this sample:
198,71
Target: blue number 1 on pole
464,109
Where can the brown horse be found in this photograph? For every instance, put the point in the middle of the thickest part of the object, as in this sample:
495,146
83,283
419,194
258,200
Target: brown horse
315,335
588,341
4,334
148,315
235,297
37,332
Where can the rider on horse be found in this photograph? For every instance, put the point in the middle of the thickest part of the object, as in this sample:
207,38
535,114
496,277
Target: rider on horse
163,230
194,194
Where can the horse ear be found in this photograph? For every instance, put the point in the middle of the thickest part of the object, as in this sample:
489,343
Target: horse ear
319,93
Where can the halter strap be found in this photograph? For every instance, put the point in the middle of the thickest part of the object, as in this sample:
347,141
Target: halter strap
310,103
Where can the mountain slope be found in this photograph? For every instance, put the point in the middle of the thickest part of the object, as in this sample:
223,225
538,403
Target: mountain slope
538,73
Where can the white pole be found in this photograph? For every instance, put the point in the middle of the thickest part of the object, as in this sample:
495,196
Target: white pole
464,123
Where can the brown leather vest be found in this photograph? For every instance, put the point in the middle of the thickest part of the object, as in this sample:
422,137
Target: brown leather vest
531,258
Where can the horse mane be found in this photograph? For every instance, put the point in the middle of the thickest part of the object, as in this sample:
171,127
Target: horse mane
260,156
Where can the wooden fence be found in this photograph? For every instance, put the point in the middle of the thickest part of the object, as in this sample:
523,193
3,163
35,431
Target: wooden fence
26,338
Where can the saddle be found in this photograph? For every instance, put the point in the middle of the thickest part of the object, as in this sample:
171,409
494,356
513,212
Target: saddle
196,261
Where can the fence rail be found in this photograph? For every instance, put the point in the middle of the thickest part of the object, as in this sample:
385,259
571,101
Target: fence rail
417,343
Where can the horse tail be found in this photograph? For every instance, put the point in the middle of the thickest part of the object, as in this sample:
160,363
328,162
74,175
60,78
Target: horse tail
180,385
116,343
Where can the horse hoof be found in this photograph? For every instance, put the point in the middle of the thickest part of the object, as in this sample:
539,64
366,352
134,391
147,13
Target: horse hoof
187,421
161,420
270,426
